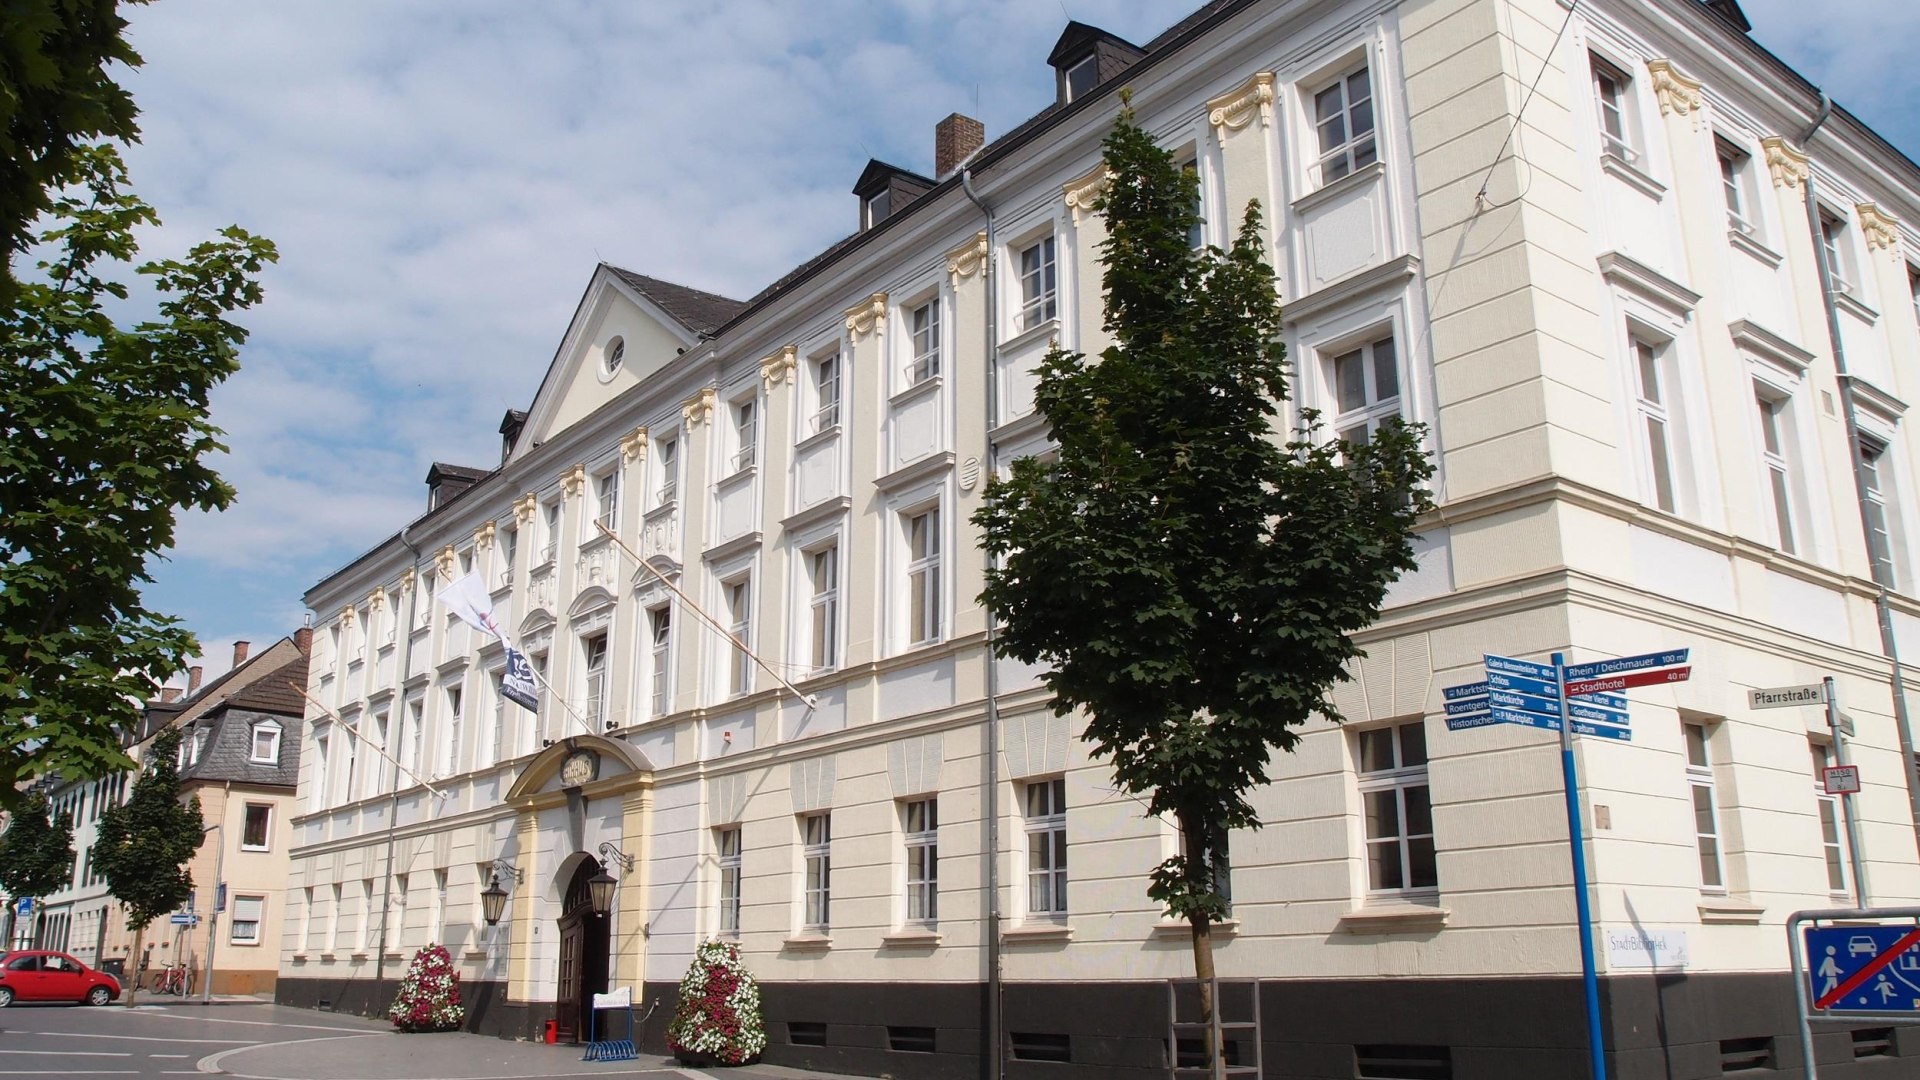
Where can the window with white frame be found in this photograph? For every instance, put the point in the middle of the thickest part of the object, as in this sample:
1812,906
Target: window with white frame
1080,78
306,920
410,737
266,743
823,607
378,745
1913,290
322,743
1776,460
1832,833
1045,805
1706,821
1736,186
429,587
248,911
593,685
350,761
1613,96
816,852
466,567
1212,849
1039,284
659,659
256,828
923,325
737,598
666,470
1197,228
550,530
509,550
726,842
923,575
876,207
499,742
334,910
606,502
745,440
437,925
1652,372
825,401
920,822
615,354
1836,248
367,925
1366,388
1343,119
395,922
541,712
1398,809
453,701
1880,507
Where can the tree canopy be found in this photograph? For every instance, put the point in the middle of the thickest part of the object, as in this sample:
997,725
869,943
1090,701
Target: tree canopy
36,851
1188,570
144,843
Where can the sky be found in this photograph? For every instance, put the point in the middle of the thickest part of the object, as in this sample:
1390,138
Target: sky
442,176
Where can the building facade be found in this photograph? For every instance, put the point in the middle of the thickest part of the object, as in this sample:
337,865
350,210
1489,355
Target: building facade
1648,320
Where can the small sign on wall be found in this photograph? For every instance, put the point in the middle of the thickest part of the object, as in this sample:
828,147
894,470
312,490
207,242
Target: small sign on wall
1653,949
1841,779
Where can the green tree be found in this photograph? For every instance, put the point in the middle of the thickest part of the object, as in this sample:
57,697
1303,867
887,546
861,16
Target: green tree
1190,575
103,432
36,851
145,842
55,97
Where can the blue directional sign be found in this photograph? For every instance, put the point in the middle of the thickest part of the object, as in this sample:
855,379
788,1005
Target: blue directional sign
1467,707
1643,662
1605,731
1529,719
1483,718
1507,665
1580,710
1525,702
1464,690
1605,701
1864,969
1521,684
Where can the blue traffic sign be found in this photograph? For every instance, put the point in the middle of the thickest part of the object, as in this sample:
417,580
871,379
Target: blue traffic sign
1605,701
1580,710
1464,690
1482,718
1526,702
1862,969
1510,666
184,919
1643,662
23,906
1605,731
1522,684
1515,716
1467,707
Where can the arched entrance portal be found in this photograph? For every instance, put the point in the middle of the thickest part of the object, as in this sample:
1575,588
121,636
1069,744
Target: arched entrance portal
585,945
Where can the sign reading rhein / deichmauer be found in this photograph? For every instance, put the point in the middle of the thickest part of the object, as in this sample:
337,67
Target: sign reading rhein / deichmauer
1783,697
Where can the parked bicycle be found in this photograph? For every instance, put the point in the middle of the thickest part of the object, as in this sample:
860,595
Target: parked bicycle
175,979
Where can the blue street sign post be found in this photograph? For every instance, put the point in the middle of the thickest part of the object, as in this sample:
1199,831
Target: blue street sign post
1576,839
1864,969
23,907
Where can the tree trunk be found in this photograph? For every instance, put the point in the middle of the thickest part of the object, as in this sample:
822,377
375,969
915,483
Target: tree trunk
133,985
1209,1008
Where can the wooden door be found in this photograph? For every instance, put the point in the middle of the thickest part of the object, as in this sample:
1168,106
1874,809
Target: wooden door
566,1004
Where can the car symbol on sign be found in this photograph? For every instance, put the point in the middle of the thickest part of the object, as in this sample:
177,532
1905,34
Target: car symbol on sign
1862,944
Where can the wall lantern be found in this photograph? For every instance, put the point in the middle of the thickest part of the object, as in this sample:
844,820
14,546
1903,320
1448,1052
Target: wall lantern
493,899
601,885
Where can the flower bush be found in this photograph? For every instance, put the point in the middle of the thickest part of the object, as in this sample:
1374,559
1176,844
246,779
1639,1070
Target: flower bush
429,997
718,1015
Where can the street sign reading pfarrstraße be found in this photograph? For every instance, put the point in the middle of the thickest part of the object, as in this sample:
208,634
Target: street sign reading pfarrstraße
1782,697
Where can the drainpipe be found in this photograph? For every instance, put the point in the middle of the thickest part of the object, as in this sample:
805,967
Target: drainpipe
405,631
1882,603
993,1018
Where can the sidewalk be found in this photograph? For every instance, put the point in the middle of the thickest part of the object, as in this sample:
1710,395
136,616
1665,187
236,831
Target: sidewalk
380,1053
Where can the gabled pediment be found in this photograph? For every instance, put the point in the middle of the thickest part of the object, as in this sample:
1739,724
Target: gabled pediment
627,327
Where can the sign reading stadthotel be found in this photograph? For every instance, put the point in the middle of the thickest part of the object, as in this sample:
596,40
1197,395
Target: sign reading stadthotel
1782,697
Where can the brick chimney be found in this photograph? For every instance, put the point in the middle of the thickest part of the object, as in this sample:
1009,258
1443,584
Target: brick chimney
954,141
303,640
240,652
194,675
169,695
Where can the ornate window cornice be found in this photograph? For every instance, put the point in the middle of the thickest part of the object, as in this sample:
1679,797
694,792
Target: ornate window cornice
483,536
698,409
1236,108
573,482
377,599
445,562
1677,93
1881,229
525,506
1082,191
779,367
868,315
1788,166
633,445
967,259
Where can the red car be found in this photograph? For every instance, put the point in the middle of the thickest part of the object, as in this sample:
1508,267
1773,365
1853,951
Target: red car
41,975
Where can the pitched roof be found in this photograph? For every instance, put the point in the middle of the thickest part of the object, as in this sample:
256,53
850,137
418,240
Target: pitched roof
704,312
441,470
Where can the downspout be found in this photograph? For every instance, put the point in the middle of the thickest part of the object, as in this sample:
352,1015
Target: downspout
1882,603
993,1019
405,631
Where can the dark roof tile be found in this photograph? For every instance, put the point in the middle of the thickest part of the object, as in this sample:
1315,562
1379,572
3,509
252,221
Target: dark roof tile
700,311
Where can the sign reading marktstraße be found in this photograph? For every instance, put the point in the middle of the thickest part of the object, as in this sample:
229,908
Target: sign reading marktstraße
1782,697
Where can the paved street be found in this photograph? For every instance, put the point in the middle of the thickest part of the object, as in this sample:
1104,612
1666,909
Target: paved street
267,1042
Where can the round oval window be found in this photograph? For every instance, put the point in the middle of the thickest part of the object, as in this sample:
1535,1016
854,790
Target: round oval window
616,352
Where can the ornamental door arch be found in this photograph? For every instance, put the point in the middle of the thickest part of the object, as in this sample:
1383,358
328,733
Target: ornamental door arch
585,953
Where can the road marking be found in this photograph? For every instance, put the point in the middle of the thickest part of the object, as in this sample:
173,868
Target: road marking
277,1024
169,1055
72,1053
135,1038
68,1072
211,1063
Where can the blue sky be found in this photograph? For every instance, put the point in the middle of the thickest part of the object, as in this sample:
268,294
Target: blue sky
441,177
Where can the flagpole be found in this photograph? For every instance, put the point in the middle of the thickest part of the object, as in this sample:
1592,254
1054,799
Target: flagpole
355,732
805,699
541,678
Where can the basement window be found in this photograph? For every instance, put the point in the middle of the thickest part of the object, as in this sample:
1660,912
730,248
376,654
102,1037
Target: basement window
1040,1046
1394,1062
910,1040
806,1033
1746,1055
1872,1042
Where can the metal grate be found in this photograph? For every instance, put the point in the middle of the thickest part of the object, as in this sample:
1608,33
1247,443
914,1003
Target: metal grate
1237,1002
1746,1055
1393,1062
806,1033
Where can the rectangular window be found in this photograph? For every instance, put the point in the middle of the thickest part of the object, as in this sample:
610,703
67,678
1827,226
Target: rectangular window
499,743
1913,289
266,744
666,471
1398,808
1833,250
410,739
659,654
922,831
351,744
1879,508
1774,458
321,775
1197,228
539,663
549,535
1399,1062
368,925
923,577
509,550
1706,826
256,833
1039,285
594,681
816,837
746,435
247,913
727,842
333,917
306,920
1734,165
1046,822
436,930
1082,77
1832,836
738,595
1655,422
1343,116
1611,88
826,393
450,746
606,501
876,207
1366,384
925,363
823,575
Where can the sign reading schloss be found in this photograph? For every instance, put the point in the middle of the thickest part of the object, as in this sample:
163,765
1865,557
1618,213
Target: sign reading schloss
1782,697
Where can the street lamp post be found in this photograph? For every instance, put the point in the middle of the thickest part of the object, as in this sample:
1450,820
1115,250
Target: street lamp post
213,916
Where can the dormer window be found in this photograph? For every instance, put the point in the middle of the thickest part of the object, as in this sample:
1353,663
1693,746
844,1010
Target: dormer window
884,190
1086,56
876,208
1080,78
266,744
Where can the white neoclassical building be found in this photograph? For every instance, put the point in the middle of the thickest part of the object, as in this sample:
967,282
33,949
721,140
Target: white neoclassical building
1655,300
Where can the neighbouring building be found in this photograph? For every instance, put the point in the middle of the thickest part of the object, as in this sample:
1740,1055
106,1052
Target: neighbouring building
1662,338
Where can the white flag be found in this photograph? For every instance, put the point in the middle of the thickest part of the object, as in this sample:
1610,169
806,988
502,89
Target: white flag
467,597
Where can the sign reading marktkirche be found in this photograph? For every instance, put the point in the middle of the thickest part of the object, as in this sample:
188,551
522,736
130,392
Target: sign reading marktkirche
1782,697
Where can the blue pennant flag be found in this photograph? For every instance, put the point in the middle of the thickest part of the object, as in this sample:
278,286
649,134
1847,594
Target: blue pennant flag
516,684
